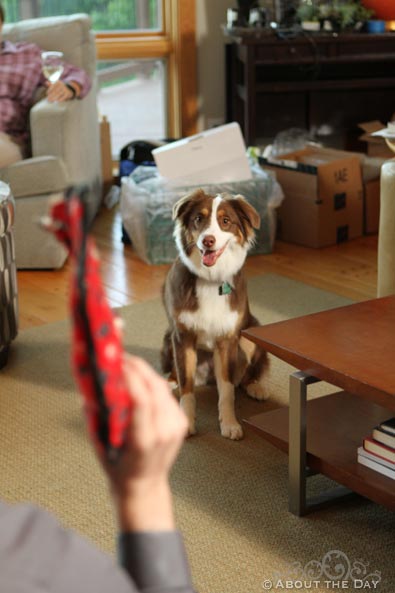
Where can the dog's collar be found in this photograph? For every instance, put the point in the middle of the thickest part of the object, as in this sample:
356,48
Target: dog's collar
225,289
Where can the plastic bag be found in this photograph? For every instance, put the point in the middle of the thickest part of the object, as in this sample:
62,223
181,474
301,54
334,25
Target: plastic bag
147,201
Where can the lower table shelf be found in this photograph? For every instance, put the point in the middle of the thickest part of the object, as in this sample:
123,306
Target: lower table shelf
336,427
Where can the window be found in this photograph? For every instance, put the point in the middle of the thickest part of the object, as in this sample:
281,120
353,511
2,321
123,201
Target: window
132,96
174,44
107,15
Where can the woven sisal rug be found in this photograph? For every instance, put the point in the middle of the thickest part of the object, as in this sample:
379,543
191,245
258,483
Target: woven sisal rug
230,497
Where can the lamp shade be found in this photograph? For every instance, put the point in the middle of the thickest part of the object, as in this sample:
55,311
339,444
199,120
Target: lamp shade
383,9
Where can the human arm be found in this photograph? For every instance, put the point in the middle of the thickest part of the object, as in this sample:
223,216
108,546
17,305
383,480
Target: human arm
60,91
73,84
150,549
139,481
36,552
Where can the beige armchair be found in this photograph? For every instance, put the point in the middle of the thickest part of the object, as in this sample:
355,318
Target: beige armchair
65,141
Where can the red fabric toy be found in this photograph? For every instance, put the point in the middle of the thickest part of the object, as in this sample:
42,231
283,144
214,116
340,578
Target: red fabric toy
96,344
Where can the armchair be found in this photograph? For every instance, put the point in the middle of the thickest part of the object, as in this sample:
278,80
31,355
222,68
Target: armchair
65,141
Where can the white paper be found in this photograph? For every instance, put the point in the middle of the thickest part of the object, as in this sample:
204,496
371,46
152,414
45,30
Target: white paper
216,155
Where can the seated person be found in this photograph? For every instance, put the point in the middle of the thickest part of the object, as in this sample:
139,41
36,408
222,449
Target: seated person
20,78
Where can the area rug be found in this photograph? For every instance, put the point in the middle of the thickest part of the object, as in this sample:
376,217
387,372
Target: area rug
230,497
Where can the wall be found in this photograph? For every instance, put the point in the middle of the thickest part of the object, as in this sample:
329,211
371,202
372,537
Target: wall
210,39
211,61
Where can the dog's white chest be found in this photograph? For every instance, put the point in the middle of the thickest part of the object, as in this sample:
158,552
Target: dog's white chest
213,318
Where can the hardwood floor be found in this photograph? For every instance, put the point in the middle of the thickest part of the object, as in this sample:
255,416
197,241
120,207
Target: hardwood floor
348,269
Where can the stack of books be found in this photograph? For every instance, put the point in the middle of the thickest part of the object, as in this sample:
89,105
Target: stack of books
378,451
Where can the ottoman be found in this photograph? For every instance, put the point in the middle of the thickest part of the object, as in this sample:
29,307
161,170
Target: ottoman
8,281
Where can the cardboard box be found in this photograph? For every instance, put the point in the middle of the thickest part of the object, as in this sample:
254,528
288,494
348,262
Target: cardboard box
215,156
323,190
375,146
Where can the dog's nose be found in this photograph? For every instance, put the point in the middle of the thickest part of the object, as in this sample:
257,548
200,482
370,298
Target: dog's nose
209,241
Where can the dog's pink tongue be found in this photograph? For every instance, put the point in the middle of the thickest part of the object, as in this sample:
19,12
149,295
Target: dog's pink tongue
209,257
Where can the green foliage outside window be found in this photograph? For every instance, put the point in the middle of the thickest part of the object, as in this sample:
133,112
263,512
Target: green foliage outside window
106,15
11,10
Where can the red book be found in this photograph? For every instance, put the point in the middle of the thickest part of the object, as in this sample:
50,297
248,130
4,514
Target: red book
379,449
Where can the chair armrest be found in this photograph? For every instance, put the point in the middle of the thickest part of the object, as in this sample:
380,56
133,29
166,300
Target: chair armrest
49,124
68,130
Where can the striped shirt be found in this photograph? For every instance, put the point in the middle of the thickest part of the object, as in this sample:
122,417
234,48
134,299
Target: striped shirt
20,77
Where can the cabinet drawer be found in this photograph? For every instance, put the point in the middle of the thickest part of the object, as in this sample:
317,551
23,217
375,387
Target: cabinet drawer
284,52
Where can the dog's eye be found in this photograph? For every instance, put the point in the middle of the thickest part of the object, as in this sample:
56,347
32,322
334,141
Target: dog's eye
226,220
198,218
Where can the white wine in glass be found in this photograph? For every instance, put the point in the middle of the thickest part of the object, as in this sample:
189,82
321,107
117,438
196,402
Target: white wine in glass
52,65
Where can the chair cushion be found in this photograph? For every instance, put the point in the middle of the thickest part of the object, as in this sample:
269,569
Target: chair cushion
36,176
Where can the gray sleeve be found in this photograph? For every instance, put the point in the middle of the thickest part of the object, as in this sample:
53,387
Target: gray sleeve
37,555
156,561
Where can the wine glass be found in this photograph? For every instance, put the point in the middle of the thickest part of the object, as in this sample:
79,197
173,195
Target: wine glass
52,65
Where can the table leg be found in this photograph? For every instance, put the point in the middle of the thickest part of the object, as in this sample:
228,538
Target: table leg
298,472
297,441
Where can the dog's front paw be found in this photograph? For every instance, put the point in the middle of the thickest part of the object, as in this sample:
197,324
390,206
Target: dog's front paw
187,403
257,391
191,428
232,431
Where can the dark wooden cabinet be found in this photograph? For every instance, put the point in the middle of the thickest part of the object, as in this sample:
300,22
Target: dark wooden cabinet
310,81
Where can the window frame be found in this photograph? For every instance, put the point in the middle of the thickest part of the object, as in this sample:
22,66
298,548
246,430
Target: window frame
175,43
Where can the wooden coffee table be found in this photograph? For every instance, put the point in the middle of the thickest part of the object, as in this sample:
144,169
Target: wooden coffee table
352,347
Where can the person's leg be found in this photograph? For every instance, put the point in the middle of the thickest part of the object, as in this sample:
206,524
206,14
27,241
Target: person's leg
10,152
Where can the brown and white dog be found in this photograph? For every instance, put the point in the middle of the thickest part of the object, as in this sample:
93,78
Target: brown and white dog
206,301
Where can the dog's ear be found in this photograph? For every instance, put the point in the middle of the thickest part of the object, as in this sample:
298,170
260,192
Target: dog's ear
247,211
183,204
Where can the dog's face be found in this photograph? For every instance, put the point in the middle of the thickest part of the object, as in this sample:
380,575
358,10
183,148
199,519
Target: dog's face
214,233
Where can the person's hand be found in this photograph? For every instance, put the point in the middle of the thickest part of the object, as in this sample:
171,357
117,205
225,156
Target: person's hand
59,92
139,480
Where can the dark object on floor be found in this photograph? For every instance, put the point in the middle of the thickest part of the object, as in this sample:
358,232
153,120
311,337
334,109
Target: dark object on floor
126,240
136,153
4,356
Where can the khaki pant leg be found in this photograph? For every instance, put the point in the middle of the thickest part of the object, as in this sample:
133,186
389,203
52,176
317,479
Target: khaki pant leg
10,152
